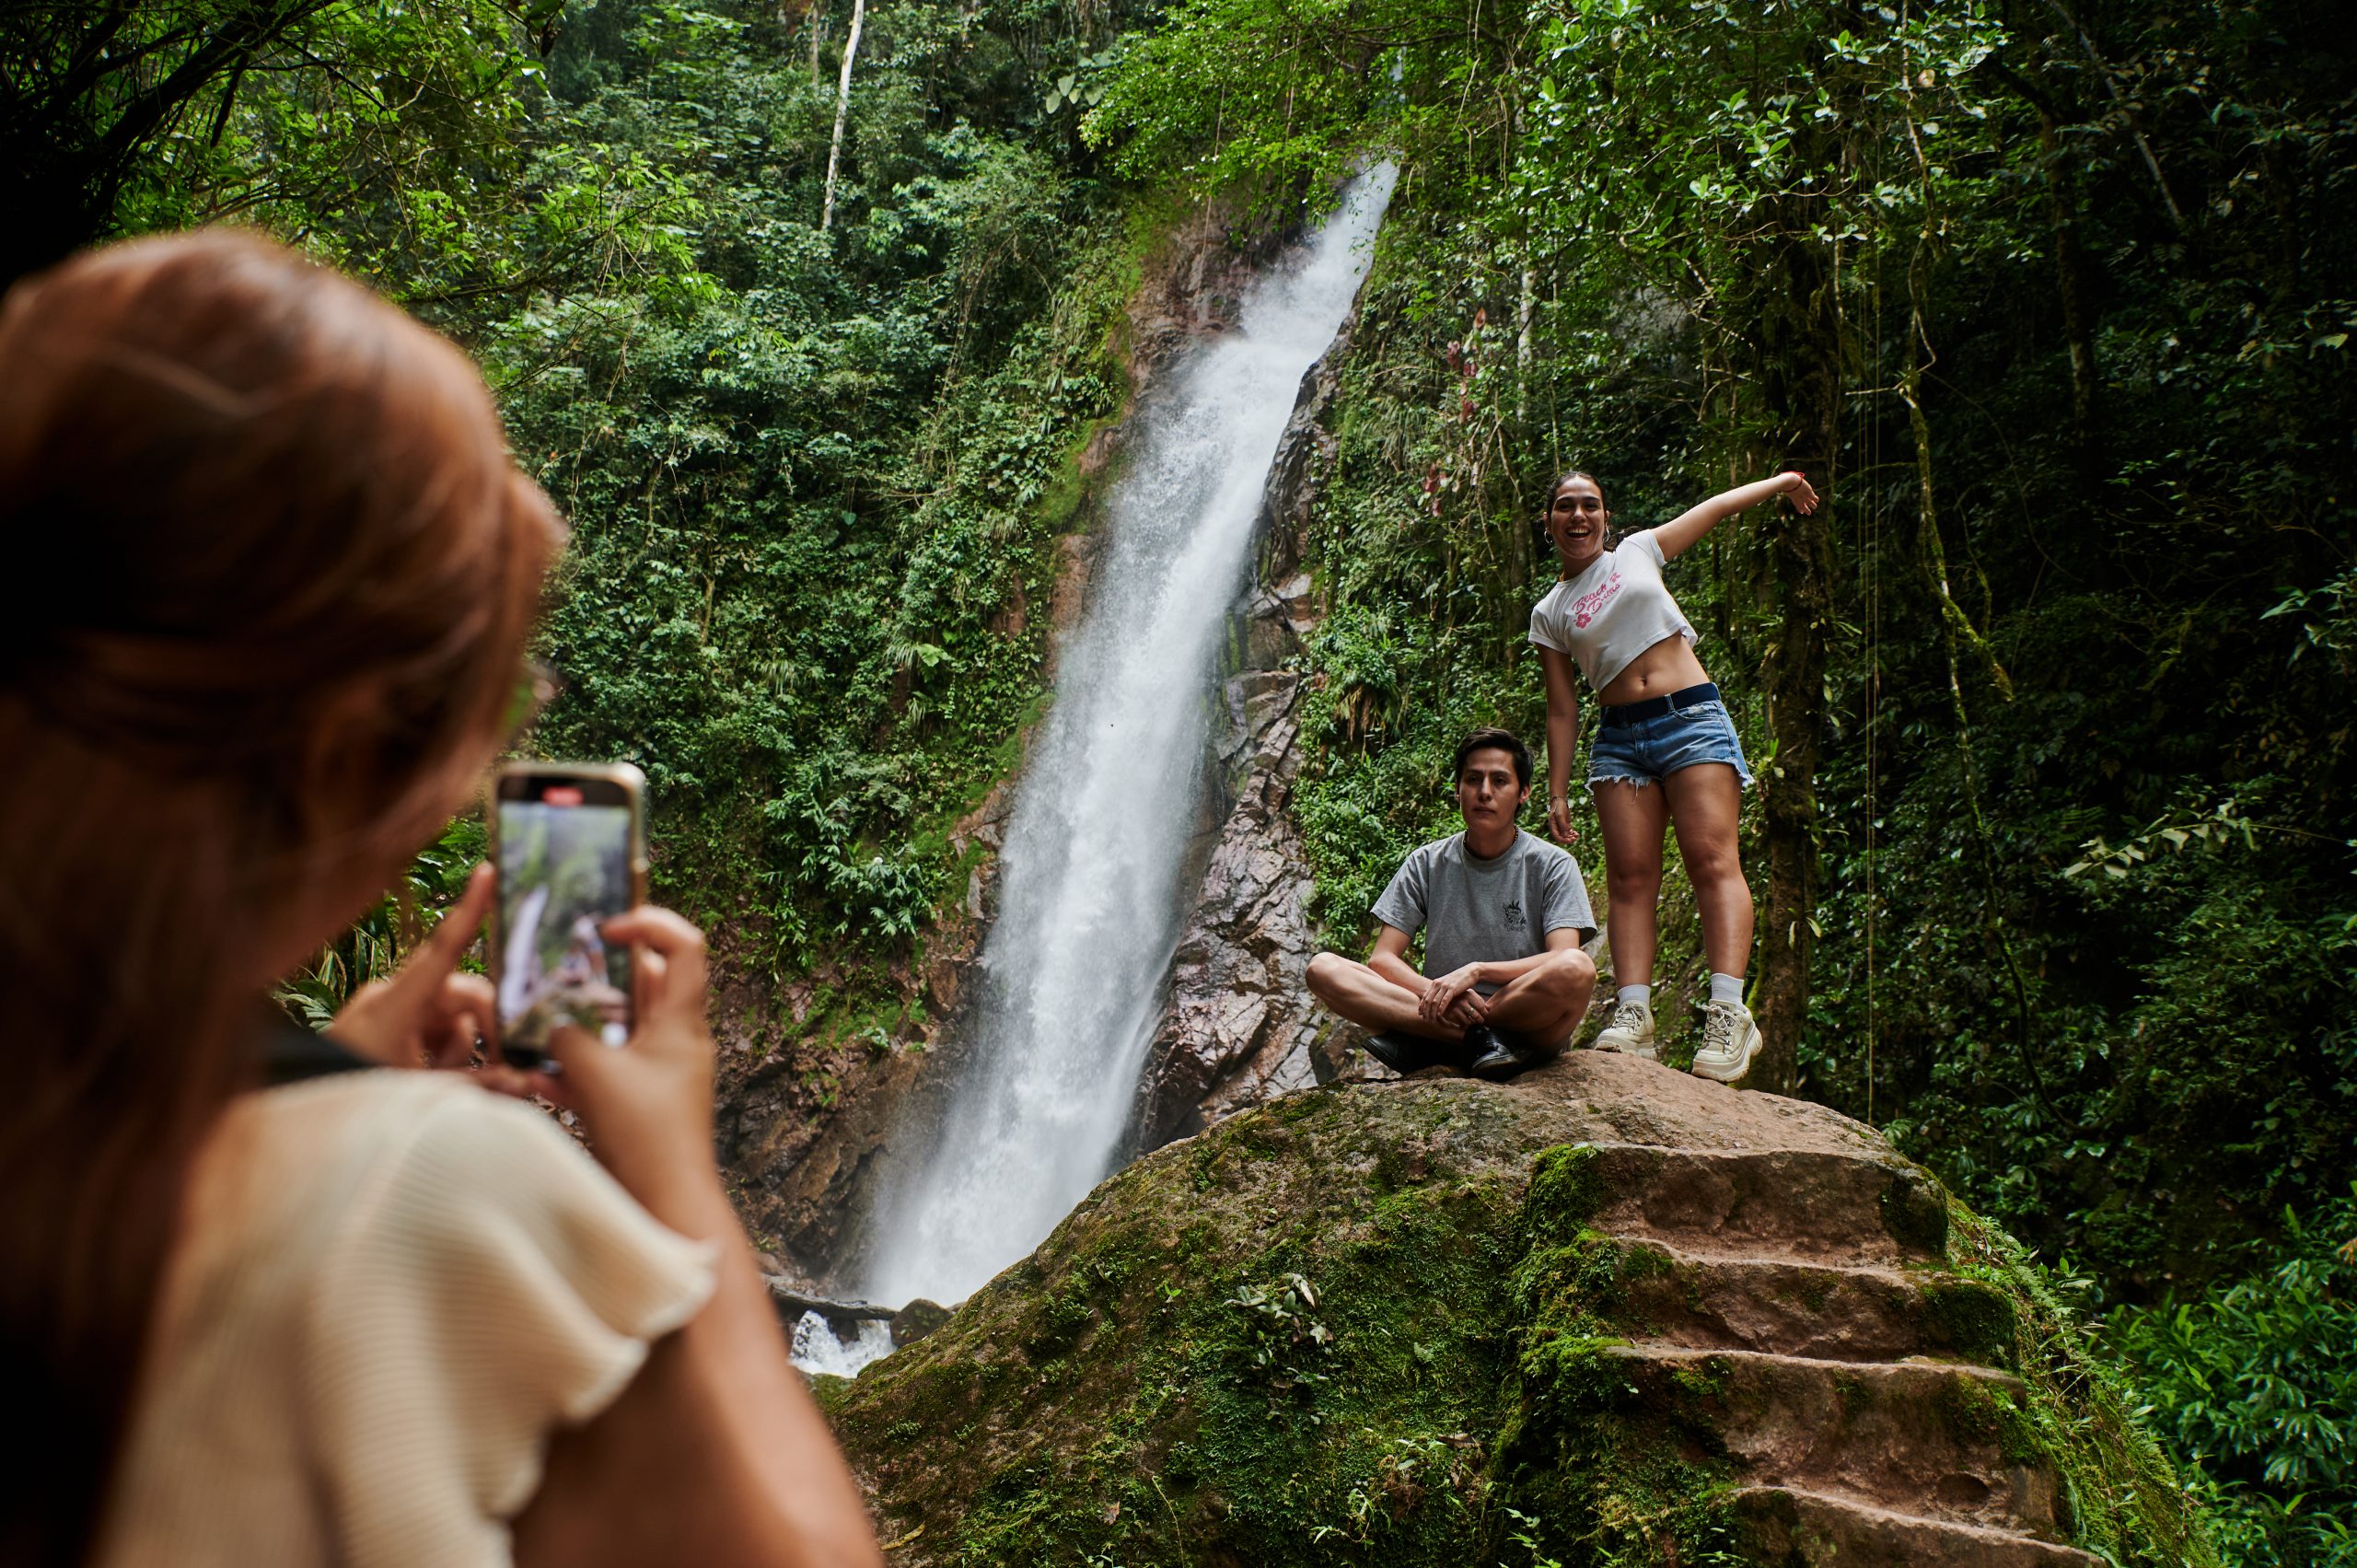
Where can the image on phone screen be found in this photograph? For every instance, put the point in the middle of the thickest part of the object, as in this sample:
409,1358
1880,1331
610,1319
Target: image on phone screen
565,870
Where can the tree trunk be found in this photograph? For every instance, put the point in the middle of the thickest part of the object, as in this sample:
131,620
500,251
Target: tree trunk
2070,267
1801,376
2062,207
843,113
1526,307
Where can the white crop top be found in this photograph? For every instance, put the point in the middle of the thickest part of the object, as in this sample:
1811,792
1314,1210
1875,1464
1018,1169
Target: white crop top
1609,614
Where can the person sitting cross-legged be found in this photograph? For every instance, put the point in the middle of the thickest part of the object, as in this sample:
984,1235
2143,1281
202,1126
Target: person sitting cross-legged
1504,915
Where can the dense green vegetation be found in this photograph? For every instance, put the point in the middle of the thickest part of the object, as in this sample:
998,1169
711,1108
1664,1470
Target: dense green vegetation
2259,1379
814,478
2052,704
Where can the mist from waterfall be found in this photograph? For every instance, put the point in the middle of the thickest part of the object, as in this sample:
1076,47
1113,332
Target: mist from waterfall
1089,901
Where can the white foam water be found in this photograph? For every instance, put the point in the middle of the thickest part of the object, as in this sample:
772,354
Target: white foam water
816,1349
1090,900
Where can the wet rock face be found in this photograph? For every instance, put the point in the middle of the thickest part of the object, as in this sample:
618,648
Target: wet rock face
1240,1027
1195,286
1606,1313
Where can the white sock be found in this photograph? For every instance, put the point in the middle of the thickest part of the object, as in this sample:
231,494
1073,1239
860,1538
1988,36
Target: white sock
1726,987
1643,996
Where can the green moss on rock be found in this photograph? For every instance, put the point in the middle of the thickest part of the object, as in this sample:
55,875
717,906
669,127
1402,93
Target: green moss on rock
1973,1320
1375,1325
1915,1212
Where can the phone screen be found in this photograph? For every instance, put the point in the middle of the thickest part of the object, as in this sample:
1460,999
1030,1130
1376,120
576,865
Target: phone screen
566,860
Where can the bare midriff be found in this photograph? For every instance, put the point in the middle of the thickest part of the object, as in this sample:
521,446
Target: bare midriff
1668,666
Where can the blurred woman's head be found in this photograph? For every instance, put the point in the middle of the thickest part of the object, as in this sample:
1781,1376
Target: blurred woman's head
273,574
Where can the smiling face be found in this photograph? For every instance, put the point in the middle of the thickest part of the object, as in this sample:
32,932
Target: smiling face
1576,520
1491,795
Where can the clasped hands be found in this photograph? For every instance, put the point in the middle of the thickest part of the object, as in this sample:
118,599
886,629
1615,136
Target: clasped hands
1451,999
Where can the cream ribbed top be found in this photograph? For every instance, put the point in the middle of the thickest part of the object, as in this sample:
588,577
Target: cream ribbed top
390,1289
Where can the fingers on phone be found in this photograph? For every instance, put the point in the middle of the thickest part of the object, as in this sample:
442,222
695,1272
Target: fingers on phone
659,930
570,1044
464,1018
671,956
524,1083
455,931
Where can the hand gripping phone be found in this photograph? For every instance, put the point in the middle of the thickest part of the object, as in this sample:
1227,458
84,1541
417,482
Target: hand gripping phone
569,841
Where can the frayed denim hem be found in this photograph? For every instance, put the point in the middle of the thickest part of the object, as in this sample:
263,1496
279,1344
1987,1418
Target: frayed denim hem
1743,779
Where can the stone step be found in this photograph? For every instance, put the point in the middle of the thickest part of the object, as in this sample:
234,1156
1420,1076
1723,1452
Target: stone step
1808,1529
1937,1441
1823,1311
1807,1204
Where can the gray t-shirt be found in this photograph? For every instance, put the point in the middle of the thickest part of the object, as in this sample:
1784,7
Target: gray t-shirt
1475,910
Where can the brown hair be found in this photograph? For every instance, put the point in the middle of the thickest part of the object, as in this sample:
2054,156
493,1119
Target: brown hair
1503,741
1557,488
273,576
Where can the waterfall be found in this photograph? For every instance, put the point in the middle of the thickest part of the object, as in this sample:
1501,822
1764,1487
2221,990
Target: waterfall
1090,900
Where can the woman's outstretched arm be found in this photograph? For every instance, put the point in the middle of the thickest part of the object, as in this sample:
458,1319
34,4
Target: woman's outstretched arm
1563,739
1676,535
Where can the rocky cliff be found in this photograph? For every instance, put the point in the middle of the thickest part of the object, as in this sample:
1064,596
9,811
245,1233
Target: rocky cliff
1239,1025
1606,1314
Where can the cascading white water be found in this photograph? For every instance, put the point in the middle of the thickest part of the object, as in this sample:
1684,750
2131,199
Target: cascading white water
1089,903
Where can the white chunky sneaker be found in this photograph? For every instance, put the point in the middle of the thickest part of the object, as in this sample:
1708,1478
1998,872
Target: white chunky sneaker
1631,1032
1730,1039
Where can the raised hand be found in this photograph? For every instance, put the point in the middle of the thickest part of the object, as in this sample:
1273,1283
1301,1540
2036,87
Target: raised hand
1798,491
428,1014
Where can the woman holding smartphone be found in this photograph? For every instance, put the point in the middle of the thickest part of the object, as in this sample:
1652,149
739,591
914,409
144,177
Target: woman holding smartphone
265,1298
1664,752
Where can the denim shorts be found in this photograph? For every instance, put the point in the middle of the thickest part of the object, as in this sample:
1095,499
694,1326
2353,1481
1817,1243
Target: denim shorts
1651,750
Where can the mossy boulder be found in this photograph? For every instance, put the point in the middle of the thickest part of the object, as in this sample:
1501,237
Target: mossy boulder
1607,1313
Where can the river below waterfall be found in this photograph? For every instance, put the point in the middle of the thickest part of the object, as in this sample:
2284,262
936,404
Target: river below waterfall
1090,900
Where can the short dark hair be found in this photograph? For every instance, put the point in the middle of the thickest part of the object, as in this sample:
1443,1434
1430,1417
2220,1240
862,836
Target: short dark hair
1493,740
1557,488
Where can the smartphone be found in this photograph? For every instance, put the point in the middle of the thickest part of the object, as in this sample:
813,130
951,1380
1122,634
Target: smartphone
569,841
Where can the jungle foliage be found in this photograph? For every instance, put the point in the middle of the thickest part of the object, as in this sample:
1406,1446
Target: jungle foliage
814,479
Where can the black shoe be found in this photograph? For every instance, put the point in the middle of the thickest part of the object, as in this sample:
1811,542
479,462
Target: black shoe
1406,1053
1492,1057
1498,1061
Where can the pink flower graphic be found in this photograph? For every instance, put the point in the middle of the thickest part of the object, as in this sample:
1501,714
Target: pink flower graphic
1585,608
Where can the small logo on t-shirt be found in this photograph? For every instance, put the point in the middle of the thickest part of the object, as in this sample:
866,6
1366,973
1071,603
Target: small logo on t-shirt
1590,605
1514,918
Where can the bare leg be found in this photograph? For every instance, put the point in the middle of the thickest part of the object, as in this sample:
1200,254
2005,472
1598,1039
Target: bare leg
1368,1000
1706,802
1542,1007
1632,817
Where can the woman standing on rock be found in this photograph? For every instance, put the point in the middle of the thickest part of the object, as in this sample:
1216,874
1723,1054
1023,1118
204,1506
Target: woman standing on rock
265,1297
1664,752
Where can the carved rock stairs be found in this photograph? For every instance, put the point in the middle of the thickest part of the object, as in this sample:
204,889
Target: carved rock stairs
1801,1290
